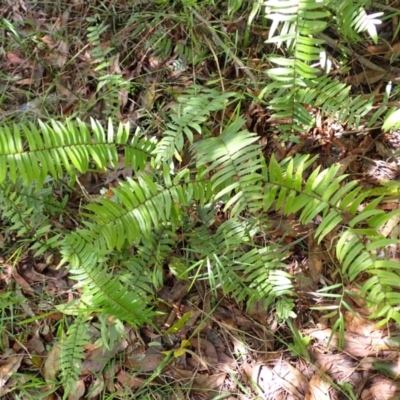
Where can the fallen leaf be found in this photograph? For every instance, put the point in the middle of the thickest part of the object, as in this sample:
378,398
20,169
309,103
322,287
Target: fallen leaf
14,59
8,369
96,387
78,391
318,389
148,363
126,379
366,77
52,363
62,50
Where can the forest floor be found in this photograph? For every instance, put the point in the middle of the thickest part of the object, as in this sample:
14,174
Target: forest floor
93,59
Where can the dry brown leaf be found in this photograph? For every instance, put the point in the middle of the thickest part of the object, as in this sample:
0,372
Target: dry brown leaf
52,363
148,363
62,50
318,389
14,59
199,382
394,51
381,389
124,378
8,369
79,390
96,387
366,77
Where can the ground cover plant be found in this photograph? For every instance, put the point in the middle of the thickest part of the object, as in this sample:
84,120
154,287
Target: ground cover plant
199,200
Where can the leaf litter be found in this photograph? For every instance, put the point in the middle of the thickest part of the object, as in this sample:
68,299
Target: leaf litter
199,348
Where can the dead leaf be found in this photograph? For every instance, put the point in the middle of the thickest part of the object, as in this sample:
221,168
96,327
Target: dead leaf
366,77
14,59
318,389
78,392
62,50
127,380
22,282
96,387
199,382
8,369
52,363
394,51
148,363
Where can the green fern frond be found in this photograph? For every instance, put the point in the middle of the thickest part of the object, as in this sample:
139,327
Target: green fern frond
87,259
72,353
58,148
297,82
190,113
233,159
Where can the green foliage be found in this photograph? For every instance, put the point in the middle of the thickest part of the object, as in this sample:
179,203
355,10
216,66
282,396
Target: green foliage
297,82
118,252
150,209
72,353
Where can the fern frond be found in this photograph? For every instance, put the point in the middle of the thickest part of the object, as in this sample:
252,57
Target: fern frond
58,148
86,255
233,159
72,353
144,205
189,114
297,83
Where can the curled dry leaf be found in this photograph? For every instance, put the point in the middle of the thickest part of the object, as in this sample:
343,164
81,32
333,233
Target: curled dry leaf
381,389
96,387
8,369
78,392
52,364
318,389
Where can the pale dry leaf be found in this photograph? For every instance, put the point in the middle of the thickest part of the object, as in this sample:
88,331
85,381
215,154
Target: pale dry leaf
62,50
52,363
8,369
381,389
96,387
78,391
318,389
